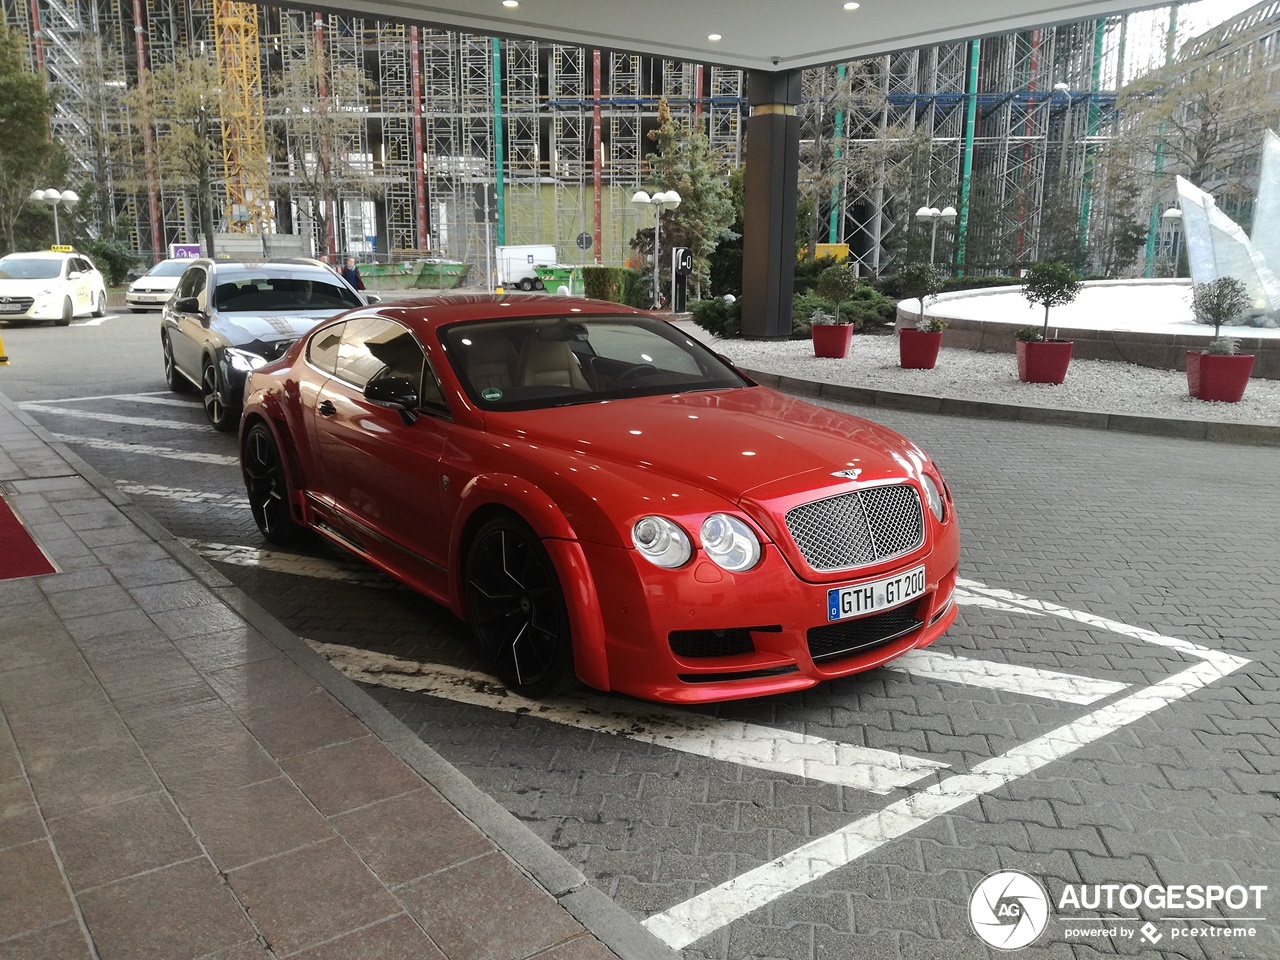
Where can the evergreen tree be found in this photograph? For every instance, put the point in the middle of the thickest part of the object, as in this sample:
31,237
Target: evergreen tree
684,163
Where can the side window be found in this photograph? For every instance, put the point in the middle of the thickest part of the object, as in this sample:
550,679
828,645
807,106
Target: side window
373,348
432,393
192,282
322,351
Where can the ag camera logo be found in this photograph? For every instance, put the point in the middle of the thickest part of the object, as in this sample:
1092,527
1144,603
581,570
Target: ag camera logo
1008,910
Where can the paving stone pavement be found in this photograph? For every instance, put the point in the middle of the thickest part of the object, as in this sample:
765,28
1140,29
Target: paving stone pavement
1156,533
181,777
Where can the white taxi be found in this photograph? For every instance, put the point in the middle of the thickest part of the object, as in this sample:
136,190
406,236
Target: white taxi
57,284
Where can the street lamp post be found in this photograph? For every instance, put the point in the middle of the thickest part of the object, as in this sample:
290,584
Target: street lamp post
934,215
663,200
68,198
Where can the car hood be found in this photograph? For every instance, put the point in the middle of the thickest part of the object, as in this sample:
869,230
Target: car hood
27,288
242,329
750,443
155,283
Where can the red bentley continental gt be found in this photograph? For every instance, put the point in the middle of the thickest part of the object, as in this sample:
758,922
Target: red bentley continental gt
601,496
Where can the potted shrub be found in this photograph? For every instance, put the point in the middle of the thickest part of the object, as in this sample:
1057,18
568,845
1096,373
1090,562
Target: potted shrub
1041,359
831,337
1219,372
918,346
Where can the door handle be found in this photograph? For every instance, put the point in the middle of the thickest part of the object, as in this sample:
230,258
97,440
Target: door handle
326,408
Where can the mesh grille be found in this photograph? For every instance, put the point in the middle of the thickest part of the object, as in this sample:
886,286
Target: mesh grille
711,643
844,639
859,528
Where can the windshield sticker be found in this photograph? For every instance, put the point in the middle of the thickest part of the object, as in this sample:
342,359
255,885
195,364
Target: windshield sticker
491,393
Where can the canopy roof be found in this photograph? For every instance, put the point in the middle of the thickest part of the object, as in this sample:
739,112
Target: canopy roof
754,34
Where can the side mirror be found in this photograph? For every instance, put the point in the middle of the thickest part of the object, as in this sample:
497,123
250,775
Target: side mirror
74,275
187,305
371,298
398,393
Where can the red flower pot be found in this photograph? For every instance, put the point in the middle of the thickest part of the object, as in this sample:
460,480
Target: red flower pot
1212,376
832,339
918,349
1043,361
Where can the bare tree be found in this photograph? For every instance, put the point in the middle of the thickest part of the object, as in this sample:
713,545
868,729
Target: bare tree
321,113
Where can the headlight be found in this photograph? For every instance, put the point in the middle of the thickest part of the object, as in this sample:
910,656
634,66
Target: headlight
730,542
243,360
932,495
661,542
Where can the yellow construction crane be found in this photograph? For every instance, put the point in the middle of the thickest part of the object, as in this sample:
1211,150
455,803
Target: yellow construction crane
244,138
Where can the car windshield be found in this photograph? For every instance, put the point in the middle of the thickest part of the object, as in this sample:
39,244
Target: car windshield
30,268
168,268
533,363
254,294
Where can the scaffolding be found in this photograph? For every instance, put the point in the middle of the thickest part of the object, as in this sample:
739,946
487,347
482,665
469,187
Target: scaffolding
466,139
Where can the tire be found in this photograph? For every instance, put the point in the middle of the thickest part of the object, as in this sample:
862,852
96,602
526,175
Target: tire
525,284
220,414
101,309
539,285
268,487
68,311
176,381
517,610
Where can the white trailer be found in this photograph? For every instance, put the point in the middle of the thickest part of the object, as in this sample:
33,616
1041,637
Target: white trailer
516,264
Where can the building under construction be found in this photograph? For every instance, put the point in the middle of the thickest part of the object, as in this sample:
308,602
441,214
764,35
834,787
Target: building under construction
460,142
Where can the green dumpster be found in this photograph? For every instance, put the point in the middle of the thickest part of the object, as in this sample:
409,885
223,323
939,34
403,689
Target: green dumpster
555,276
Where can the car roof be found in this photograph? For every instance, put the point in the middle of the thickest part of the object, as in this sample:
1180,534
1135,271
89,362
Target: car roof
43,254
283,267
438,310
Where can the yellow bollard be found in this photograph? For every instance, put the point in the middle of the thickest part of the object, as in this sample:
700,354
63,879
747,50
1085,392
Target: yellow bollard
4,361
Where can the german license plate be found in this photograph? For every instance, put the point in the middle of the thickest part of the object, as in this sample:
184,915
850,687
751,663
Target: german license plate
10,308
863,598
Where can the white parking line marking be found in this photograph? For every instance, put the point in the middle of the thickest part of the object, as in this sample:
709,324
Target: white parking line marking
146,450
732,741
966,599
706,913
113,417
1029,681
157,396
182,494
291,563
95,322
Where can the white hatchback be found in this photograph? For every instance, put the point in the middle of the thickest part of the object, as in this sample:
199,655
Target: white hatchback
153,289
55,285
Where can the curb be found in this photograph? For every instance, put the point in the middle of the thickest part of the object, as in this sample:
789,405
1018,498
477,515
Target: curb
1254,434
599,915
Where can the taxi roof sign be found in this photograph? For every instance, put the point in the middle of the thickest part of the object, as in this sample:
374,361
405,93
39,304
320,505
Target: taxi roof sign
62,248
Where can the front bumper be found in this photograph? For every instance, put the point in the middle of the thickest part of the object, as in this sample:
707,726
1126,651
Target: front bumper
42,308
701,634
155,300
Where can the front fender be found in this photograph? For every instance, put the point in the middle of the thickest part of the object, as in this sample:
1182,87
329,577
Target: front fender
536,508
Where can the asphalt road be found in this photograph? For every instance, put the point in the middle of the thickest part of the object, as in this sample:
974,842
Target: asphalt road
1105,712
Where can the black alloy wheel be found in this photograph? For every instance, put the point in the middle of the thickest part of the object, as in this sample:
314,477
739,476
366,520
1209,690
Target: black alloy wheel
268,487
176,381
222,416
68,311
517,609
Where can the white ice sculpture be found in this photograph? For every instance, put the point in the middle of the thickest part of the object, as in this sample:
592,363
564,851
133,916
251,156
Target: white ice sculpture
1218,247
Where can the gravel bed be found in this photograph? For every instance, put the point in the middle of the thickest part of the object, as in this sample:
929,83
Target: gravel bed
1095,385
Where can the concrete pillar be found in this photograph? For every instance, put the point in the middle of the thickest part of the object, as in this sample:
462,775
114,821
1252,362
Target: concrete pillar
771,188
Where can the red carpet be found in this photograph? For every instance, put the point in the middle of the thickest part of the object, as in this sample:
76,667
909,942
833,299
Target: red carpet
19,555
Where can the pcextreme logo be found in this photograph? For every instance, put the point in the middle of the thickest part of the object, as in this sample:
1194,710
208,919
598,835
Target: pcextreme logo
1008,910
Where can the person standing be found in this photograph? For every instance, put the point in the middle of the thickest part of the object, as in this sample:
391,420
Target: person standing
351,274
